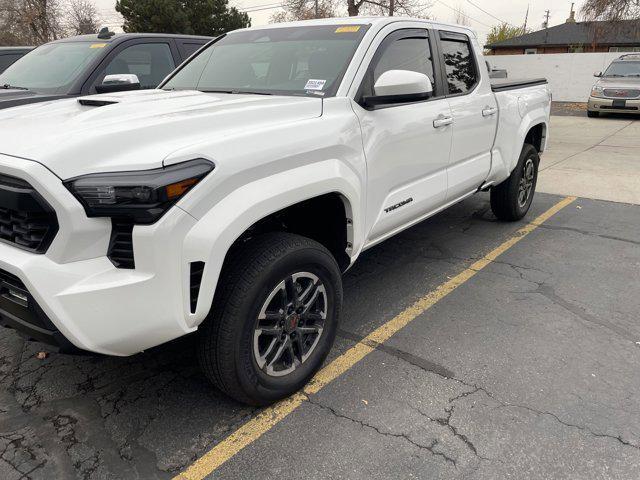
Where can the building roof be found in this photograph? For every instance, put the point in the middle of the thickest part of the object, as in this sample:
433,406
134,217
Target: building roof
625,32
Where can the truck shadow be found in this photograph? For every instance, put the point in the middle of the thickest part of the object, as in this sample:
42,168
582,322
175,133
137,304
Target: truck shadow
151,414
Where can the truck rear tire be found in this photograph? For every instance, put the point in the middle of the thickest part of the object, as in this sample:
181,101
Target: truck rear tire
273,320
511,200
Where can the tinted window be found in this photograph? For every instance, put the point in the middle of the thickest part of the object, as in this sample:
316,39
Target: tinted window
460,66
151,62
191,48
285,61
52,68
6,60
411,54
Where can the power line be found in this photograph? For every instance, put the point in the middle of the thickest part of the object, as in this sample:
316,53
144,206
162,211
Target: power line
490,14
463,14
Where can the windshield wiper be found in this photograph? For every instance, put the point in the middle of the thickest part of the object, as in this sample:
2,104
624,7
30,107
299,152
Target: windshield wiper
217,91
6,86
237,92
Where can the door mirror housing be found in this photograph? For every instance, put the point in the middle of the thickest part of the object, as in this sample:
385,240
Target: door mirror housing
119,83
597,74
400,86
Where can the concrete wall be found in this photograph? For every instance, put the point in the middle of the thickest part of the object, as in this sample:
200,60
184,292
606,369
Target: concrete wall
570,75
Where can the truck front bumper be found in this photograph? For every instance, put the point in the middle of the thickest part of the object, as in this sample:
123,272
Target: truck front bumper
609,105
73,296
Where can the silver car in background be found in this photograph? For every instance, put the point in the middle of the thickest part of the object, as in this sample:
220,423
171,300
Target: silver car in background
618,88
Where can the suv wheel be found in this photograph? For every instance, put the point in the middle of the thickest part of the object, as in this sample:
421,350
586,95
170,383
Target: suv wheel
592,114
274,318
511,200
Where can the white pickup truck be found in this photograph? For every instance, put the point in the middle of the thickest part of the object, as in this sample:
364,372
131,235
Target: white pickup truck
229,201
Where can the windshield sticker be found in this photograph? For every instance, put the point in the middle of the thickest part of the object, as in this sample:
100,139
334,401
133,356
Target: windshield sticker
98,45
315,84
348,29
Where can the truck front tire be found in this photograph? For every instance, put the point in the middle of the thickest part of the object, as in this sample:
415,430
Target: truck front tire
592,114
273,320
511,200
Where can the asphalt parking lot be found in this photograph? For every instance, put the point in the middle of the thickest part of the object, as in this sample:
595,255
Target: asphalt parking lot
528,369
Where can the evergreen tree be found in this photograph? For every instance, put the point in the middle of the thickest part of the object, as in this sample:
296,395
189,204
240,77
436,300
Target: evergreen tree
189,17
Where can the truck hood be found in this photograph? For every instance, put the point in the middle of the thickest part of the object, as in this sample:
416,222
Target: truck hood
619,82
137,130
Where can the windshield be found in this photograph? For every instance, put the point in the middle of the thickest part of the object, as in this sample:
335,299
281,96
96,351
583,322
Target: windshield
279,61
623,69
51,68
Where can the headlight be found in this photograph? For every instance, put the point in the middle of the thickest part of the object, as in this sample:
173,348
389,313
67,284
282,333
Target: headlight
142,196
597,91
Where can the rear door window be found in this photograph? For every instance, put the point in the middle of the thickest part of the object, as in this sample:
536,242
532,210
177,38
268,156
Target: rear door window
459,62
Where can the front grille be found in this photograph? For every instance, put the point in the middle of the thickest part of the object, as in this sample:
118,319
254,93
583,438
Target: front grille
26,219
121,245
621,93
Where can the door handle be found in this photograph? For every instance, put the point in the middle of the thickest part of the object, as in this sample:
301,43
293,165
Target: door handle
442,121
488,111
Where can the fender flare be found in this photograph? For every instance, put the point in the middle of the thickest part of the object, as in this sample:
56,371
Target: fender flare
213,235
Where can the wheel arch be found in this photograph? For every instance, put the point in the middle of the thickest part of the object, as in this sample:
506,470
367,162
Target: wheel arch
325,206
537,136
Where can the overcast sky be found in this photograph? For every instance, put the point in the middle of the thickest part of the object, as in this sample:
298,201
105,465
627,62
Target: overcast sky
511,11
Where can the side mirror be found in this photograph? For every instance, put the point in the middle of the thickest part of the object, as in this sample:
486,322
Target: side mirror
597,74
400,86
119,83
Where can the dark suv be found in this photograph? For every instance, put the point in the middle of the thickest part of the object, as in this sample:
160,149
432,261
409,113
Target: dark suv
9,55
90,64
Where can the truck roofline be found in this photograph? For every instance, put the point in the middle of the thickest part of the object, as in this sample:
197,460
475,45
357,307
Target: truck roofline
371,20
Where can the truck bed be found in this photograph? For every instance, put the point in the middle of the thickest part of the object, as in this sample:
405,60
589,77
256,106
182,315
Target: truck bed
501,85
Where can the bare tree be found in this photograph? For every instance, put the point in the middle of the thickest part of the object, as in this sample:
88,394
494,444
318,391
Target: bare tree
611,9
31,22
412,8
304,10
460,17
81,17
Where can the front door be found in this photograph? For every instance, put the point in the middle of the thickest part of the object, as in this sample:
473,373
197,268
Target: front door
407,153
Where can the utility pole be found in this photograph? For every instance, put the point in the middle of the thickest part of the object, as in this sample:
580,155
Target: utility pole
546,19
392,7
316,7
526,19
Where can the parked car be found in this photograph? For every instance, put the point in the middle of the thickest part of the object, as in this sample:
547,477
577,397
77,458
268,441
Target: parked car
230,200
618,88
90,64
9,55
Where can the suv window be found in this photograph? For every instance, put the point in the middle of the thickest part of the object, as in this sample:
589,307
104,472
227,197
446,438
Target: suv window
191,48
460,65
408,51
151,62
6,60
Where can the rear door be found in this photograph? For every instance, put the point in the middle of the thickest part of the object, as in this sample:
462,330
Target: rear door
407,154
474,110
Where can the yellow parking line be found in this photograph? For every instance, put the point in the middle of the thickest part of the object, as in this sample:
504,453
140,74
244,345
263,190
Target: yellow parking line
271,416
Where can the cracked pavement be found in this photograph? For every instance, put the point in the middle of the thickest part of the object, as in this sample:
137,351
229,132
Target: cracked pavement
529,370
